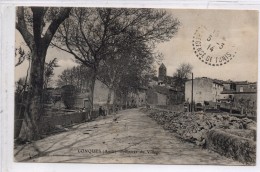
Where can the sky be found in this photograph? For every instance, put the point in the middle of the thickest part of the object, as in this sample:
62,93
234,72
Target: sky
240,28
237,28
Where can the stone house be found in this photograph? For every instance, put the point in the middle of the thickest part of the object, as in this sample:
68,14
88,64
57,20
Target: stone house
99,98
242,88
135,99
204,89
163,91
242,95
157,95
245,86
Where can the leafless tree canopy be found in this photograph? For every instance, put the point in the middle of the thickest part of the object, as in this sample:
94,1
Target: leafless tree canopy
183,71
92,34
105,36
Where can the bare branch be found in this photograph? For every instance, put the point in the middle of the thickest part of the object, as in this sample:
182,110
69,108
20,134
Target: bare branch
22,28
63,14
85,38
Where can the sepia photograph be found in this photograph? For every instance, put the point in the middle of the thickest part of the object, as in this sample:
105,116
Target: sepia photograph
103,85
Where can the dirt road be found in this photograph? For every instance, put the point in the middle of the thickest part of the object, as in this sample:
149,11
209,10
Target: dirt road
133,138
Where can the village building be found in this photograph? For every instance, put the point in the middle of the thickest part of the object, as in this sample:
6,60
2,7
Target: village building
137,99
162,90
235,96
204,89
157,95
242,95
234,90
100,97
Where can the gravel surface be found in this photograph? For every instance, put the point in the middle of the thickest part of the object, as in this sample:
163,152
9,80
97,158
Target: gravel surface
132,138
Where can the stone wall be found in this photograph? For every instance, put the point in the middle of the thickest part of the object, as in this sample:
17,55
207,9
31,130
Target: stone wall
162,99
51,124
195,127
230,145
152,97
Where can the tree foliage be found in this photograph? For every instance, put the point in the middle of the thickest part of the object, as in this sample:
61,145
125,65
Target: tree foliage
128,72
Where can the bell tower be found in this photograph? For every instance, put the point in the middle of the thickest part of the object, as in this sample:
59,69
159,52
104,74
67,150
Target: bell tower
162,72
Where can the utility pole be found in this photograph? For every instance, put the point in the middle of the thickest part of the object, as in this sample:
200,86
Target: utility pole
191,92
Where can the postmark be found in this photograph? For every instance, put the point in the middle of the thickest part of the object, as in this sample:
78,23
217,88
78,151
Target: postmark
212,48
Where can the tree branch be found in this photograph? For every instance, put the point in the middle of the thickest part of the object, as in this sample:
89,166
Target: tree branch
63,14
22,28
85,38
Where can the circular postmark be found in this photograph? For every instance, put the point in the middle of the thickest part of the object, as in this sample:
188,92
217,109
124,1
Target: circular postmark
211,47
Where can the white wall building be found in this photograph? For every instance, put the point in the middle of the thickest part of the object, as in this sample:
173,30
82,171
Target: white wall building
204,89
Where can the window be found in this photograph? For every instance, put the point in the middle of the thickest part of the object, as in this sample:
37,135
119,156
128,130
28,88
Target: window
241,89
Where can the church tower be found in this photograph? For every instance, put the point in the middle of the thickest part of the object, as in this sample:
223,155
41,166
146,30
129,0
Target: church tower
162,72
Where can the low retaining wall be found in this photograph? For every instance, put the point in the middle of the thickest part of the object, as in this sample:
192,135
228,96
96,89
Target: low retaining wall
176,108
232,146
49,124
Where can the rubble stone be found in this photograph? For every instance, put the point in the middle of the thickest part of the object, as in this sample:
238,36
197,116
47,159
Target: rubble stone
194,127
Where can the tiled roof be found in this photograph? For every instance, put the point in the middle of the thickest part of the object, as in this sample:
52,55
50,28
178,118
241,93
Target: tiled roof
228,92
236,92
241,82
217,82
236,82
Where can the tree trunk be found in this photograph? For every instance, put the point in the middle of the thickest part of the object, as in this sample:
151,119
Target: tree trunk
126,101
34,105
90,85
110,90
115,105
38,46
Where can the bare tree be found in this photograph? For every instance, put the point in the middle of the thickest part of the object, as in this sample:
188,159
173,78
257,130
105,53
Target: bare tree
93,35
75,76
183,71
182,74
37,26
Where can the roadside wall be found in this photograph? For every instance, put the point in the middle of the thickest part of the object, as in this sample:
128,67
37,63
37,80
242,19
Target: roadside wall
49,124
227,135
229,145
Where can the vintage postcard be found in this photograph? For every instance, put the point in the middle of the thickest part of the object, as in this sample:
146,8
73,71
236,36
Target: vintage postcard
135,85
